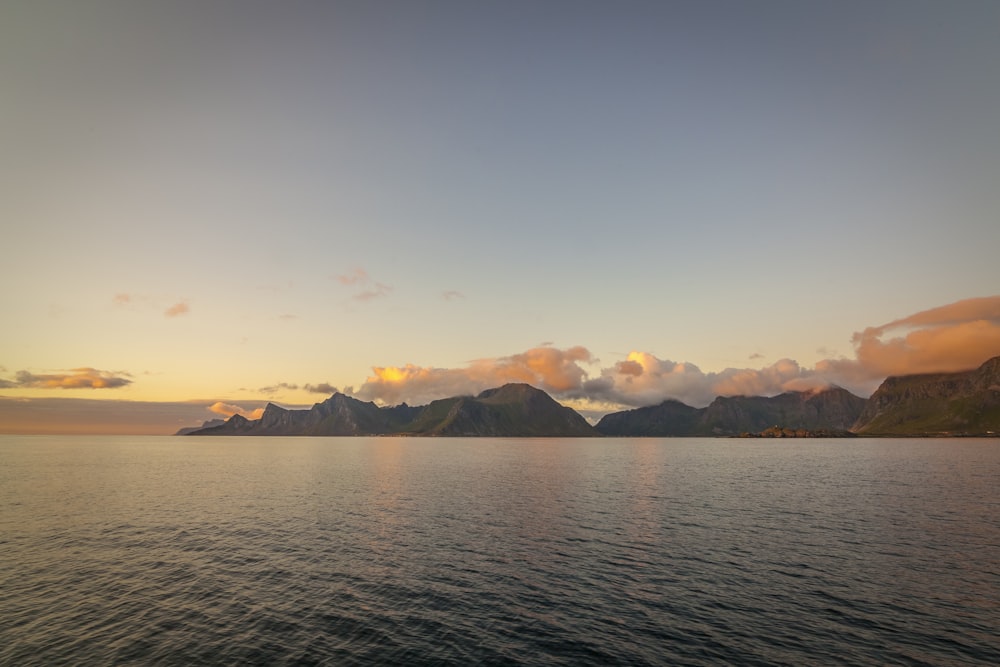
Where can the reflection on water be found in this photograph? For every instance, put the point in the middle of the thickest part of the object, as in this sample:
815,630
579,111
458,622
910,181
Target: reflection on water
369,550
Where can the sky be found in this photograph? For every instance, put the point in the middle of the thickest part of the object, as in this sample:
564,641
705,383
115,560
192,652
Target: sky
210,205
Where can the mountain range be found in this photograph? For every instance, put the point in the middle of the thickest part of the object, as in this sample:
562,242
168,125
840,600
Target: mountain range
831,409
942,404
513,410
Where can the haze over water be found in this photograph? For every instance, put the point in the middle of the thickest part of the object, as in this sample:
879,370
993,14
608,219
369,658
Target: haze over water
161,550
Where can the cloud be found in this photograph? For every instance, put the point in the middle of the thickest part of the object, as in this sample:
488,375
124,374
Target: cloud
756,355
982,309
131,301
641,379
375,291
452,295
368,289
957,336
228,410
321,388
275,388
547,368
954,337
179,308
76,378
644,379
354,277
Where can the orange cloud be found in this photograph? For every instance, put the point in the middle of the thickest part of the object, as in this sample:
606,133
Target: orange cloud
548,368
629,367
956,336
76,378
985,309
131,301
353,277
359,278
644,379
953,337
228,410
179,308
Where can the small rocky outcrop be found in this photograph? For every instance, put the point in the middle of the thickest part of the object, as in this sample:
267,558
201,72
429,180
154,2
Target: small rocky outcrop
784,432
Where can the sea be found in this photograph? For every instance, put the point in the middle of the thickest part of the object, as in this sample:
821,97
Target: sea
450,551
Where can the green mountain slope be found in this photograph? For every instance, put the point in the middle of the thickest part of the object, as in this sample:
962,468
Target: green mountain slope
966,403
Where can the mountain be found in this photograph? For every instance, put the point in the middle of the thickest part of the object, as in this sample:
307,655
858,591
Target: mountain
669,418
209,424
832,409
513,410
966,403
337,415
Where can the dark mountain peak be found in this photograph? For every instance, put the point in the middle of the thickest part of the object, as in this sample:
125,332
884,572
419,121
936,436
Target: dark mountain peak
669,418
237,420
673,402
513,410
343,399
335,397
512,391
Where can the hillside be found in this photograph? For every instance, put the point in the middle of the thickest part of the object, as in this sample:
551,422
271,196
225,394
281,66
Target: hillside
831,409
514,410
965,403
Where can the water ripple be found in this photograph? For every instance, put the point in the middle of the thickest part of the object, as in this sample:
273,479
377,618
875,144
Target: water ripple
368,551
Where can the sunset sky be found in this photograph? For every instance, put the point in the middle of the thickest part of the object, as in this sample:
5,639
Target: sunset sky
208,205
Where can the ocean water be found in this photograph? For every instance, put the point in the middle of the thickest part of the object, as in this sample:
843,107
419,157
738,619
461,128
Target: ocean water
340,551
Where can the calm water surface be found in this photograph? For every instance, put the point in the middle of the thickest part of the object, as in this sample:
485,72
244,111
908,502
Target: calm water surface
163,550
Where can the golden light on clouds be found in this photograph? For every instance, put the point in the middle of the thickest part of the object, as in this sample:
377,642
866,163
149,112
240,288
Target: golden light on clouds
954,337
228,410
76,378
958,336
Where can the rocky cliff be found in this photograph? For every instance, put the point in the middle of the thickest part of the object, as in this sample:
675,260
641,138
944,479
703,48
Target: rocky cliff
337,415
966,403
